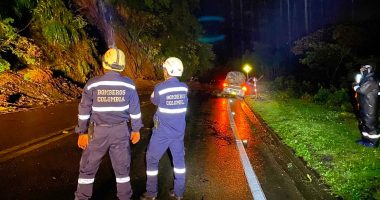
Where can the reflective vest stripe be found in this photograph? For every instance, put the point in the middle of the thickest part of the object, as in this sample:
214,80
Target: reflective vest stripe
137,116
172,111
152,173
83,117
85,180
108,109
123,180
365,134
111,83
173,89
179,171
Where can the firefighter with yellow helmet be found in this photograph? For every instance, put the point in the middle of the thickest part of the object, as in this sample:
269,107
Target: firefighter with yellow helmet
109,102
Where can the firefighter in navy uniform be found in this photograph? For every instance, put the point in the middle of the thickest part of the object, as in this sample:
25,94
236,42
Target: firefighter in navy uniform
367,88
109,102
171,99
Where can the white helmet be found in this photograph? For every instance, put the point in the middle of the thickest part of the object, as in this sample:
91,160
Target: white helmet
173,66
366,69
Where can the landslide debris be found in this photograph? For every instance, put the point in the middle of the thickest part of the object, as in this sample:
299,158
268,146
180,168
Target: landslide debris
34,88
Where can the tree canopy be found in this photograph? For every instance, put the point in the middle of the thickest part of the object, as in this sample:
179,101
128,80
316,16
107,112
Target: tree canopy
60,36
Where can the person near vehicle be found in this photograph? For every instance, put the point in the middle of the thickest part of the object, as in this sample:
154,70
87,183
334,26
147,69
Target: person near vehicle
171,99
108,102
367,88
251,83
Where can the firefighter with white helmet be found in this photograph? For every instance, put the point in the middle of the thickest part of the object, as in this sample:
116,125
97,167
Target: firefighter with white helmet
171,99
367,88
108,102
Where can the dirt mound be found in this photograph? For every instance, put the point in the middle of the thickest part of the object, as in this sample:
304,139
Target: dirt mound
33,88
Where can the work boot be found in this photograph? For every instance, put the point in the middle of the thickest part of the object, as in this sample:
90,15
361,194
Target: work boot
174,196
366,143
145,196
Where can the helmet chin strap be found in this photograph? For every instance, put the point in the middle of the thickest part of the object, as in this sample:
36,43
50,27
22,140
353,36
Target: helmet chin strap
117,56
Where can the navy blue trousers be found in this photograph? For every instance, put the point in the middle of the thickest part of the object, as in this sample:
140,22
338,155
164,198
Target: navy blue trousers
157,147
115,140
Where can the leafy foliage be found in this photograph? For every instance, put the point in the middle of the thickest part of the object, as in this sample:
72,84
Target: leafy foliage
62,37
4,65
326,58
59,26
22,47
22,9
154,30
333,54
287,87
322,95
148,31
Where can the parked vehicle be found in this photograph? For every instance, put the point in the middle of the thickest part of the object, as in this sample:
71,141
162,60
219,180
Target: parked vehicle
234,84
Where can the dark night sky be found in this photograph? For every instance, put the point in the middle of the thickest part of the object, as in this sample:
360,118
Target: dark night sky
275,23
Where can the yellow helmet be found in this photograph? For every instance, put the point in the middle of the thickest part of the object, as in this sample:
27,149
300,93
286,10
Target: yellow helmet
114,59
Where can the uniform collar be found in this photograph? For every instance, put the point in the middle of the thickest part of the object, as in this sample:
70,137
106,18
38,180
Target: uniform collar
172,79
112,73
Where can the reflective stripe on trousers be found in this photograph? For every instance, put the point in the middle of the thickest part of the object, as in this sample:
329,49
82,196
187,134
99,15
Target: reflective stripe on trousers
86,180
115,140
365,134
156,148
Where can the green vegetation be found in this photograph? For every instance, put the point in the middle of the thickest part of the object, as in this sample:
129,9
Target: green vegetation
4,65
59,26
12,42
55,35
325,139
158,29
332,55
47,36
336,99
62,36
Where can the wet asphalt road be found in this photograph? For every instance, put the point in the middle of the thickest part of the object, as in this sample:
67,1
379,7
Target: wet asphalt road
214,169
19,127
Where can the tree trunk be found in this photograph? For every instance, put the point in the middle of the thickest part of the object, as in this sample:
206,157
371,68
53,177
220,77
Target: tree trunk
306,16
352,10
289,23
295,19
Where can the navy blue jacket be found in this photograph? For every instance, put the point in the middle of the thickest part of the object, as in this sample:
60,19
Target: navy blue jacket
107,100
171,98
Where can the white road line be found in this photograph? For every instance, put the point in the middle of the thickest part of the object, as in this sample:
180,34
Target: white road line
19,150
26,147
253,182
20,146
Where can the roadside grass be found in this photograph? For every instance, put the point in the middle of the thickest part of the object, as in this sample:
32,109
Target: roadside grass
325,139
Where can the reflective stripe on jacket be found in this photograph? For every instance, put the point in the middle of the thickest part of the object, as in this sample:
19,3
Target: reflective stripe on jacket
109,99
171,99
